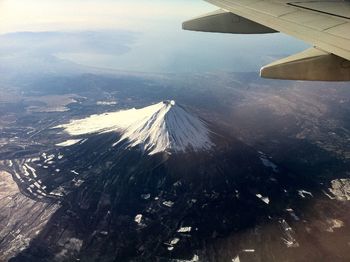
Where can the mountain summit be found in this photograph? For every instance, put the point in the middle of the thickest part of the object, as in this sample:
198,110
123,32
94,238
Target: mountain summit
162,127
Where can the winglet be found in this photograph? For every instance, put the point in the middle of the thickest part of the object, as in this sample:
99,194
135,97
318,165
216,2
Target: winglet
221,21
312,64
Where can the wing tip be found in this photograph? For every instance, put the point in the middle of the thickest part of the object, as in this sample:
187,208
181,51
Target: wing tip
311,65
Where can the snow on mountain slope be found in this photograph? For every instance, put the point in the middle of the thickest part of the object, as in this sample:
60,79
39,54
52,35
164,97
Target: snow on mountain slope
162,127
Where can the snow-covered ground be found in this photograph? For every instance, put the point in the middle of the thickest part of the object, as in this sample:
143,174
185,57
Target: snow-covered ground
162,127
340,188
69,142
22,218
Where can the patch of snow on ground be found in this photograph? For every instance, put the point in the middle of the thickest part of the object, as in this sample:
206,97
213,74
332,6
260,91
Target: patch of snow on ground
106,103
174,241
146,196
266,200
288,234
32,170
303,193
248,250
236,259
340,188
138,218
59,192
334,223
185,229
69,142
328,195
78,182
168,203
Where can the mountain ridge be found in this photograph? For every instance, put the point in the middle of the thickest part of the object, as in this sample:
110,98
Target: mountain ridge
162,127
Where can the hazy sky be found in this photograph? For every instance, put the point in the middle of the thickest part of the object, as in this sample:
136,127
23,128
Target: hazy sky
47,15
130,35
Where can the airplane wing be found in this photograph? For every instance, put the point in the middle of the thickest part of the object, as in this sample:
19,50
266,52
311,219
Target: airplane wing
325,24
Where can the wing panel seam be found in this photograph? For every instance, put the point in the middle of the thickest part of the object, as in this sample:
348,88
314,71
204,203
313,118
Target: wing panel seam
316,10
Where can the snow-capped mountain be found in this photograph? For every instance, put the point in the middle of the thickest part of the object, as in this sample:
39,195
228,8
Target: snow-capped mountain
148,204
162,127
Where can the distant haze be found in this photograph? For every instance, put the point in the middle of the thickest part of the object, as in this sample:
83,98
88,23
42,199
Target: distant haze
137,35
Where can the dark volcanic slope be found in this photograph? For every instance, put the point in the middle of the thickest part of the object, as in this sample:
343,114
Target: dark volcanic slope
119,205
123,205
